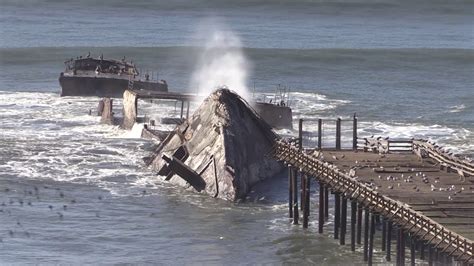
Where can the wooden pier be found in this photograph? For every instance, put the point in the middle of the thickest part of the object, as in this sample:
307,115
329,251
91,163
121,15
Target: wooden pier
421,196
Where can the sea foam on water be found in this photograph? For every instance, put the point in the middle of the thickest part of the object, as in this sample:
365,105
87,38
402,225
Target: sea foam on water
221,62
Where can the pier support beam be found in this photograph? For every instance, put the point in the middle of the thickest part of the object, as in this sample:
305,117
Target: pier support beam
322,203
320,134
290,192
295,197
412,251
326,203
359,224
400,247
338,134
384,234
366,234
342,239
337,214
302,190
306,201
354,133
353,224
371,238
388,250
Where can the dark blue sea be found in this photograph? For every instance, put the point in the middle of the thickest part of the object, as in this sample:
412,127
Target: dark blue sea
73,191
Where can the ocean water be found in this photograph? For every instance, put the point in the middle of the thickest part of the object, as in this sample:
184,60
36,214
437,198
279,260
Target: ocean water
74,191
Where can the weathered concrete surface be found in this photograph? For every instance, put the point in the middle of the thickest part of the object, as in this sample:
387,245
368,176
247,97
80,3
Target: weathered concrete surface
107,115
228,146
130,102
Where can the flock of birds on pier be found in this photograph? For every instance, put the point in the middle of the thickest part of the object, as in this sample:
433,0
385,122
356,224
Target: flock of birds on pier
399,176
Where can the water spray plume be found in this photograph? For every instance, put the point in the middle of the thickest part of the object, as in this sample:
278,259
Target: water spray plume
221,62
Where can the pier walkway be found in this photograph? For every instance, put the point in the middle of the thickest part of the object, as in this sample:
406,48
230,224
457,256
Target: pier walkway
412,190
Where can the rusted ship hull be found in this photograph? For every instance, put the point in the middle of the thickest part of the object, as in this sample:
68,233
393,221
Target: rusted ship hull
103,86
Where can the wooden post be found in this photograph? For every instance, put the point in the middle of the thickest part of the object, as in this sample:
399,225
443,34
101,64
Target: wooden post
388,255
366,234
290,191
306,201
342,239
337,214
326,203
295,197
384,233
354,133
302,191
371,238
187,110
400,247
182,109
353,223
338,134
412,251
422,250
322,203
359,224
430,256
320,133
300,135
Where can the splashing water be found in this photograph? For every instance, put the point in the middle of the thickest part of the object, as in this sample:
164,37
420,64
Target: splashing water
221,61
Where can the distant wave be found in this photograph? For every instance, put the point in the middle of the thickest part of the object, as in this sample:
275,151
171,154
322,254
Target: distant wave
25,56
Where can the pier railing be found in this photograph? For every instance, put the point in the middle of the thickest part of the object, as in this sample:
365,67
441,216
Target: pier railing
417,224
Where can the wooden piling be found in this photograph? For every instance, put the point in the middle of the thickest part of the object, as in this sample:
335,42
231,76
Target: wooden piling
182,109
371,239
295,197
326,203
322,203
359,224
366,234
187,110
342,239
354,133
384,234
337,214
306,201
412,251
320,134
388,250
430,256
290,192
422,250
302,191
338,134
300,148
400,247
353,224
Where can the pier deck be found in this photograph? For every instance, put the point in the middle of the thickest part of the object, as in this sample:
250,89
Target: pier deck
420,193
444,197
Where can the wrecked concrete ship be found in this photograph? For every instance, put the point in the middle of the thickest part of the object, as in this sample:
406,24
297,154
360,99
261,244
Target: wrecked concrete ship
221,150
